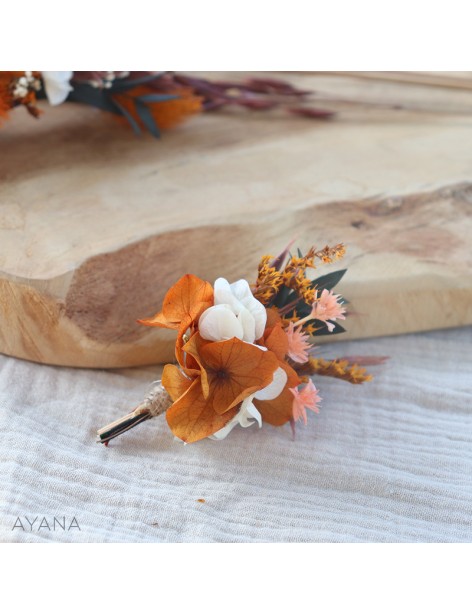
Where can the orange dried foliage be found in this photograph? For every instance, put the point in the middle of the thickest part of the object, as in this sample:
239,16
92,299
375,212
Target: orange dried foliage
269,280
4,108
167,113
6,99
8,102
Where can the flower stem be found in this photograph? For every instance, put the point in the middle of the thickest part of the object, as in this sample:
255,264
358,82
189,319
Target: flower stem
156,402
112,430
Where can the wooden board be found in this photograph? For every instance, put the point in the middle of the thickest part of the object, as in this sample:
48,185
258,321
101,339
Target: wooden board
96,224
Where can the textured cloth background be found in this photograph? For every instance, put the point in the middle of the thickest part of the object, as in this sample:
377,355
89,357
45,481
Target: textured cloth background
390,460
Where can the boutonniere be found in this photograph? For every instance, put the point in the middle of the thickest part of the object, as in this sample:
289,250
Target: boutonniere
245,354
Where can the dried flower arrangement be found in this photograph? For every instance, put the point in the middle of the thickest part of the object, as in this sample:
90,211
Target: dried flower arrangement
244,354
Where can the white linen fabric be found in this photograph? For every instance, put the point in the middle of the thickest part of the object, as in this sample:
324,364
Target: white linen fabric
388,461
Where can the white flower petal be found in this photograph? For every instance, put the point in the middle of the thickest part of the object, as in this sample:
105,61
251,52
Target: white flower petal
243,294
239,296
248,324
245,417
252,410
57,85
218,323
222,433
223,294
273,390
241,290
261,320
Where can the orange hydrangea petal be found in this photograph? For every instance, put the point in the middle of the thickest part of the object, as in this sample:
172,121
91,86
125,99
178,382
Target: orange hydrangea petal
273,317
179,344
235,370
278,411
189,362
192,417
277,341
187,299
193,348
183,304
159,320
182,307
175,382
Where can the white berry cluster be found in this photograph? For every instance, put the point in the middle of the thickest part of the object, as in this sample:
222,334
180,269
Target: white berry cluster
23,85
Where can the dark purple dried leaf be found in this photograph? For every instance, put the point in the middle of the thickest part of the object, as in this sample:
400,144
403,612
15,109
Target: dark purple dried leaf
311,112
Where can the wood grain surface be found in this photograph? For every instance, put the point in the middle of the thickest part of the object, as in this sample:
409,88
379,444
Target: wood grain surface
96,224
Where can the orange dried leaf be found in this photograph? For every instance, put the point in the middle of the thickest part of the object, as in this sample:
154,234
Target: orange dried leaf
166,113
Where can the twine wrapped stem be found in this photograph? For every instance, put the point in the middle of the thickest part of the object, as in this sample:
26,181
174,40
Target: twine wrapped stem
156,402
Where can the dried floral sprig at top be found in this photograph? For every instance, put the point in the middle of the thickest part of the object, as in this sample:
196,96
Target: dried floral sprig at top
244,353
150,101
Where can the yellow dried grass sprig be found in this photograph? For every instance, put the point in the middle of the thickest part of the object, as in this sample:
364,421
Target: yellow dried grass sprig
341,369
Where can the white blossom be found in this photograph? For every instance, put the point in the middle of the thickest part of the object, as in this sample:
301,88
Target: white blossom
57,85
236,313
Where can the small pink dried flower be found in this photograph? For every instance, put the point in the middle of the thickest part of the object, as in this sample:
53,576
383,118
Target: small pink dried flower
306,398
298,343
326,307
